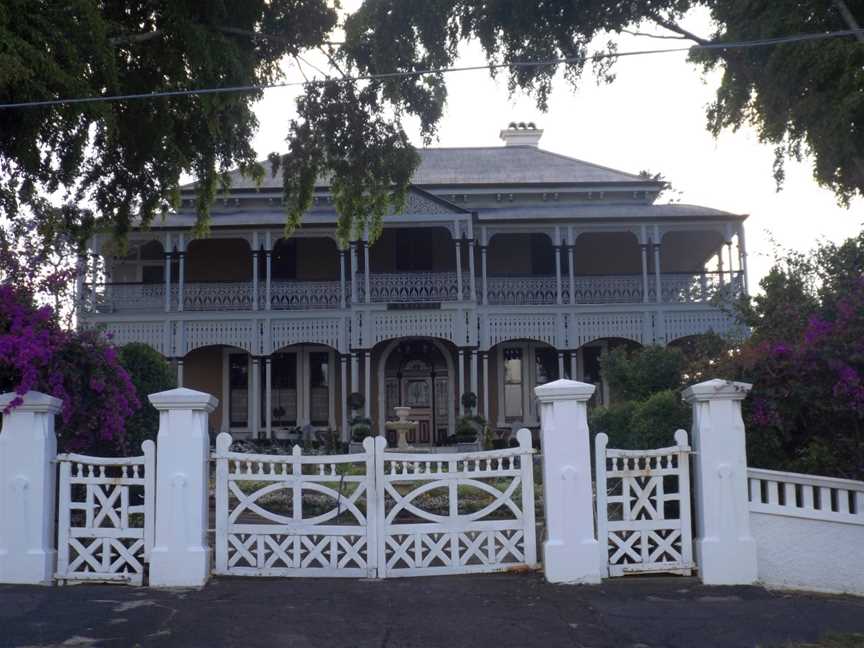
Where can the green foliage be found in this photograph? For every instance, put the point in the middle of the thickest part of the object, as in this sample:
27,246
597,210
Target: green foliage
470,427
805,97
150,373
643,424
635,375
126,157
361,427
805,360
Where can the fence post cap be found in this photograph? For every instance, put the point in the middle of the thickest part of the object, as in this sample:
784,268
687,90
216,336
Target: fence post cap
32,401
716,389
183,399
564,389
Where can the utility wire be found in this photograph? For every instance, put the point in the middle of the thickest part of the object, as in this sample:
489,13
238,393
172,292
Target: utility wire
765,42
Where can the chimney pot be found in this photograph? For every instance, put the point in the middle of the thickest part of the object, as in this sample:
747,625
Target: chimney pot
521,134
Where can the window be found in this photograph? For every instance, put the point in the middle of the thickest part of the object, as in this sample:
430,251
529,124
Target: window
546,366
283,261
542,256
283,390
414,250
319,388
238,389
513,384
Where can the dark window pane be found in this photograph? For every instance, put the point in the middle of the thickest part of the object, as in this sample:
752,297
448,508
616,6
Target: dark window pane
542,255
284,260
414,250
153,274
283,398
319,388
546,361
238,387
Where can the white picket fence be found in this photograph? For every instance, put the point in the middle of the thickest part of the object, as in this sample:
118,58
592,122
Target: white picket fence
106,510
643,507
259,533
419,542
363,514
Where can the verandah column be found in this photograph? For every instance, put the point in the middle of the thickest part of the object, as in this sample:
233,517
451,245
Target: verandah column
486,409
181,555
168,255
367,383
181,271
571,553
254,270
28,448
461,379
459,291
724,548
570,271
343,401
268,395
558,283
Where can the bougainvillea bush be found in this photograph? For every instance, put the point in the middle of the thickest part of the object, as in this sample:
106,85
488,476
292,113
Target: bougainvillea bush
81,368
806,362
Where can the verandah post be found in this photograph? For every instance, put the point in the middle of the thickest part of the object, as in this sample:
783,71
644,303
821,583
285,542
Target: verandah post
181,555
28,448
724,548
571,553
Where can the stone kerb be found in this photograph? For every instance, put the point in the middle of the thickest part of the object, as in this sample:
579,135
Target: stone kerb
28,447
724,547
181,554
571,553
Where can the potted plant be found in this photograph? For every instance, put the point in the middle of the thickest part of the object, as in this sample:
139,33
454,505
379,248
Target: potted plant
360,426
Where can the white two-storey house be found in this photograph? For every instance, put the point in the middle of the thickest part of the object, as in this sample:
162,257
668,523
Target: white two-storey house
510,266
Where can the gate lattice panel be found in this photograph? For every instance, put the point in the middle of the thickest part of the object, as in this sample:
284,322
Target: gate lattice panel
106,516
500,534
294,515
643,507
374,514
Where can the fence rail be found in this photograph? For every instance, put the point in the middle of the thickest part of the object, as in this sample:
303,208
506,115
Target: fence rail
806,496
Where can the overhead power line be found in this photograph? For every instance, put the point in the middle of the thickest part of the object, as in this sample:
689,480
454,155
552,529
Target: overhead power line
735,45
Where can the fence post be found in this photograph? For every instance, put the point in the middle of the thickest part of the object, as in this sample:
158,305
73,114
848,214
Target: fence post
181,555
725,550
571,553
28,447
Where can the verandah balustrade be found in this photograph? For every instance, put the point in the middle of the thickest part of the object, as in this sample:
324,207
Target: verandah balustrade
413,287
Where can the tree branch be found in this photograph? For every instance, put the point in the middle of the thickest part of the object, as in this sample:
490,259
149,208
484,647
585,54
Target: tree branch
646,35
130,39
674,27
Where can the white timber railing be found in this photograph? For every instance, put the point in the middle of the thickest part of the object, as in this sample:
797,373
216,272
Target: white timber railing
806,496
302,295
412,287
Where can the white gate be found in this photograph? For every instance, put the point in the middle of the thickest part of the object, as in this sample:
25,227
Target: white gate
295,515
492,532
106,516
374,514
643,507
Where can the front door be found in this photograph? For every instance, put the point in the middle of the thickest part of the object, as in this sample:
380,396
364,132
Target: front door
417,394
416,375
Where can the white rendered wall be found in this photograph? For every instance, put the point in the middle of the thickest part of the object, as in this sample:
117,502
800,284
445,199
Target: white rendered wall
801,553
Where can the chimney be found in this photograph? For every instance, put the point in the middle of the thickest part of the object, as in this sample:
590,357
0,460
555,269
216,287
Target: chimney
521,134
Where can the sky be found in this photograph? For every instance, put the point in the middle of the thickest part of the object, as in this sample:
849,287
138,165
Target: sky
651,118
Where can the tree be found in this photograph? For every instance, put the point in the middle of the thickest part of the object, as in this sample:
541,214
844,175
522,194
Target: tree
646,406
122,159
805,360
805,96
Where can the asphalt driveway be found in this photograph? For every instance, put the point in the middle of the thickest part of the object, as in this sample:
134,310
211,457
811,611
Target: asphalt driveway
500,610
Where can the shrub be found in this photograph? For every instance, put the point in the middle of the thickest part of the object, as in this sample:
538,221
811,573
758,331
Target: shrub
80,368
361,427
150,373
635,375
644,424
470,427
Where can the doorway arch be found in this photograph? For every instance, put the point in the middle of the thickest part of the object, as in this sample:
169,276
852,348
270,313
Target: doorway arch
415,370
